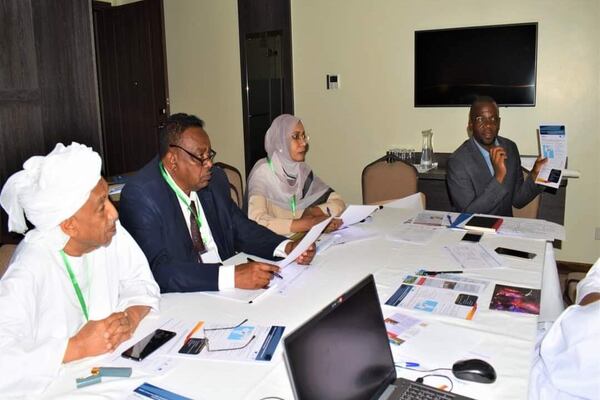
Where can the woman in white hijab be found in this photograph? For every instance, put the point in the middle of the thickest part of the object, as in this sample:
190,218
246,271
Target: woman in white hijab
283,193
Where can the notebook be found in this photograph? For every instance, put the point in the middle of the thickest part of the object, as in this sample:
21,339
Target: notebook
484,224
343,352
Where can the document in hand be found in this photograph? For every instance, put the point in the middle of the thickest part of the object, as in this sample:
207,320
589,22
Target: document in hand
308,239
483,224
553,146
356,213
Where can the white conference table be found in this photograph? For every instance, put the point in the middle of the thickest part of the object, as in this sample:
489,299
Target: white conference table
505,339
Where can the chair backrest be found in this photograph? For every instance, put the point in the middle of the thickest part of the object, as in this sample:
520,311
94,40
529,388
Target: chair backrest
383,181
236,184
6,252
531,209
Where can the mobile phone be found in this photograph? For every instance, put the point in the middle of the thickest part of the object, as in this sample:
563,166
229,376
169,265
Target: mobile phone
148,345
472,237
514,253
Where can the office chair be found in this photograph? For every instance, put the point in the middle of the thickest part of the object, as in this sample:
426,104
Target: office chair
236,184
531,209
387,179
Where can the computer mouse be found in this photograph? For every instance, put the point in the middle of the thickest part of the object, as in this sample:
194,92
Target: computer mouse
474,370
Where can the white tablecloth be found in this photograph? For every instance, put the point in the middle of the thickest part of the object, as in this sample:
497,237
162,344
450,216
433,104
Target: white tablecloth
505,339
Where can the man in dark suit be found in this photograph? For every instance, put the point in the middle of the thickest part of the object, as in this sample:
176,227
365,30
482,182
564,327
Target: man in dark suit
179,210
484,174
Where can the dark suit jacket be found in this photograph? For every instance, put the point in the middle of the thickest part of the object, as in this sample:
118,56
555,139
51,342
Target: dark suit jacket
150,211
472,188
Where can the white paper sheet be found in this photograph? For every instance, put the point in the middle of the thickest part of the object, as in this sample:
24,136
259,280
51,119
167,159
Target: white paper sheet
308,239
553,146
414,234
412,202
356,213
247,341
474,256
532,229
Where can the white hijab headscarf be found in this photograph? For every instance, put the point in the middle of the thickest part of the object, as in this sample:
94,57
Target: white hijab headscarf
49,190
287,177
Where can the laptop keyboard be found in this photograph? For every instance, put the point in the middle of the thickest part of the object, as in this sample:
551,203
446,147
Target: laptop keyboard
409,390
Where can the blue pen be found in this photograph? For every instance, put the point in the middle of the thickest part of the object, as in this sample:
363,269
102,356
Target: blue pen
409,364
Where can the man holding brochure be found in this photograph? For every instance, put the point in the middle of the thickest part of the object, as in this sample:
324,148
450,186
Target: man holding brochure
179,210
484,173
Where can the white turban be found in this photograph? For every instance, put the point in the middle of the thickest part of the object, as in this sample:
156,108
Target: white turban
50,189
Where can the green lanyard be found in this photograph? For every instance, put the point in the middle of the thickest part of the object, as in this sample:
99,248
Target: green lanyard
179,193
75,285
293,206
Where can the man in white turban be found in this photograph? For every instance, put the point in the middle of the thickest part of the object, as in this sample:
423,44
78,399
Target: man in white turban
78,284
567,364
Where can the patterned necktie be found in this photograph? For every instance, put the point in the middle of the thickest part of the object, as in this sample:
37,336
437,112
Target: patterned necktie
195,230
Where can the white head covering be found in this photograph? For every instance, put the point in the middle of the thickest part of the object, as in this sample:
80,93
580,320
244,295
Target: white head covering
287,177
49,190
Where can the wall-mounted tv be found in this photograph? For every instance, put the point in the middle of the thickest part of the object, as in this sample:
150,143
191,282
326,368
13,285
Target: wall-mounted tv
454,66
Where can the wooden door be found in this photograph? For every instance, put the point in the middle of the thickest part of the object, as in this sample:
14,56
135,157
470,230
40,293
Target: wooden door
48,89
132,81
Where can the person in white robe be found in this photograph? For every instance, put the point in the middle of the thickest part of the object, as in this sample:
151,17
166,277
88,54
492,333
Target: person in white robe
78,284
567,363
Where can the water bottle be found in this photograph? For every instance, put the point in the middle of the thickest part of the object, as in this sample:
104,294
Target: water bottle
427,152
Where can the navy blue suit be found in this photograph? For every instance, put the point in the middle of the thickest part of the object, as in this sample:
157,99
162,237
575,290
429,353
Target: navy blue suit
150,211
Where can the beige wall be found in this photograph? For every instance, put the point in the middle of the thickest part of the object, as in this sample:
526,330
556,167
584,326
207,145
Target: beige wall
203,62
370,44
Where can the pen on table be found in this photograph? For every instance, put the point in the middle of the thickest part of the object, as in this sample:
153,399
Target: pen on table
328,212
274,273
449,219
194,330
441,272
408,364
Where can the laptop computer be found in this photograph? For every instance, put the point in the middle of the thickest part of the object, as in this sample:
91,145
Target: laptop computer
343,353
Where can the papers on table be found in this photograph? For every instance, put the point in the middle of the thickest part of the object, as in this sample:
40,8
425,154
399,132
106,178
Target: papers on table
356,213
532,229
401,327
553,146
414,234
438,219
154,364
343,235
437,345
247,341
437,296
474,256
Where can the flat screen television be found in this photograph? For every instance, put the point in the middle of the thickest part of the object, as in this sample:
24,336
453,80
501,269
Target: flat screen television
454,66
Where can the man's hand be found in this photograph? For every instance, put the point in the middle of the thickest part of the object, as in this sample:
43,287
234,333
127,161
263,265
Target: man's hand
497,156
306,257
98,337
334,225
254,275
539,163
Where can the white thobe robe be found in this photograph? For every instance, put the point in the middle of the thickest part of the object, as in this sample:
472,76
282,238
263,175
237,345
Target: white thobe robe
567,364
40,311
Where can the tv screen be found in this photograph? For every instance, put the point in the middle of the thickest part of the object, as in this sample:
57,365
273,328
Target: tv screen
454,66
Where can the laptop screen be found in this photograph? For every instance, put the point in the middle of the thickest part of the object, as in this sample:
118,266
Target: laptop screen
343,351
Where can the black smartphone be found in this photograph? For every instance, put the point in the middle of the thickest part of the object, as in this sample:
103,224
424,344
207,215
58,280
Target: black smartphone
472,237
514,253
147,345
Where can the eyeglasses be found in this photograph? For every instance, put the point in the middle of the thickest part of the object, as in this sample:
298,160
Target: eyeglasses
227,328
487,120
202,161
300,136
